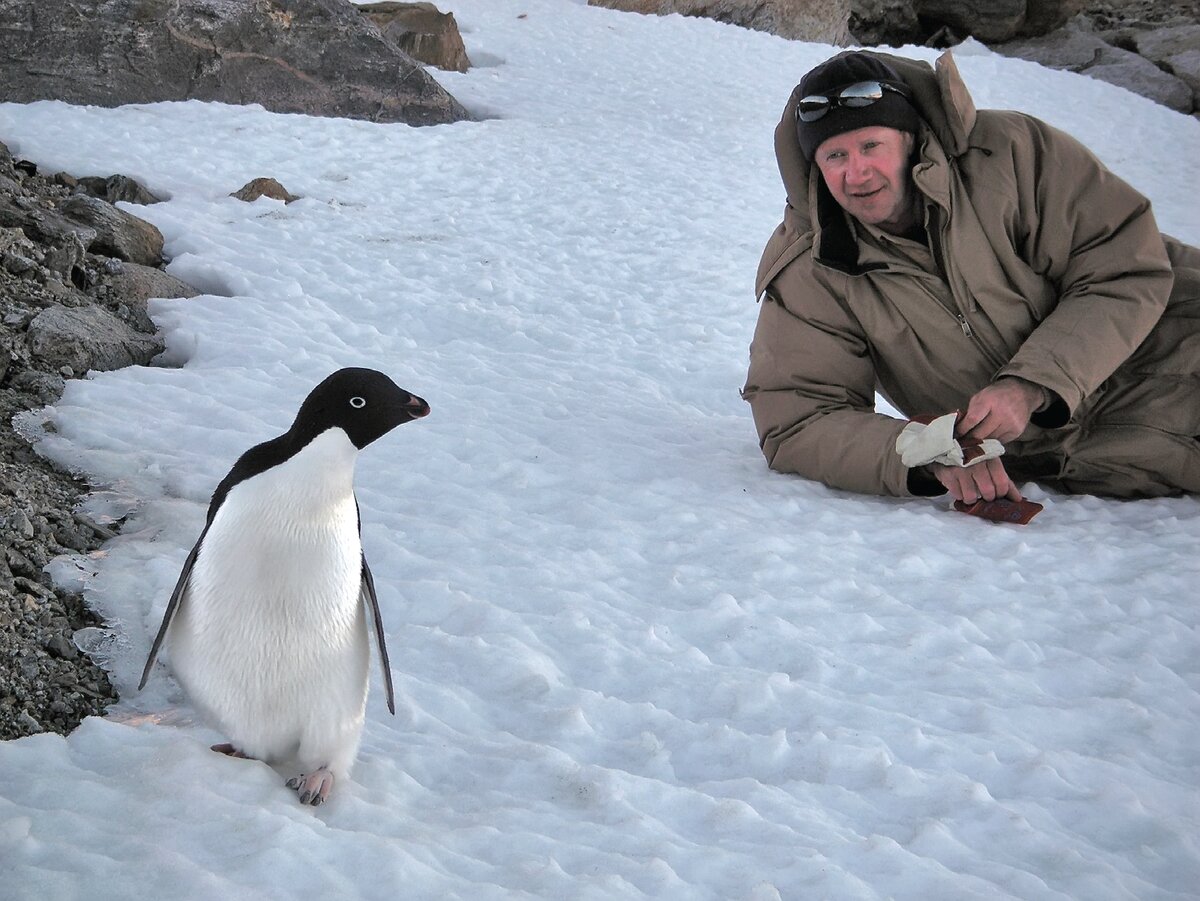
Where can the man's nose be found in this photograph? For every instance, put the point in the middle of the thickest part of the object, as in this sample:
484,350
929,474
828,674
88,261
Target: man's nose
858,169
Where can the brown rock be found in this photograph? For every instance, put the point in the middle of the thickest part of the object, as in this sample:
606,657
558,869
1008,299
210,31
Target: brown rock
1044,16
996,20
798,20
263,187
891,22
422,31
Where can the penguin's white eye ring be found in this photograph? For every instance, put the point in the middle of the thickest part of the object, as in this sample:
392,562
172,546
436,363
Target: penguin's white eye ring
358,402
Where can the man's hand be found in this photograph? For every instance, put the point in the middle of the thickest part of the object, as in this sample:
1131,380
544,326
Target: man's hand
1001,410
986,480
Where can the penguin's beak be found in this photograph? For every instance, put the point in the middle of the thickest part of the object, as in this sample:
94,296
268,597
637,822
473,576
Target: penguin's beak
416,407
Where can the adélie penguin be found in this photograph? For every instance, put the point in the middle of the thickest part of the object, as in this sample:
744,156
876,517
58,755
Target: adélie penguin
267,625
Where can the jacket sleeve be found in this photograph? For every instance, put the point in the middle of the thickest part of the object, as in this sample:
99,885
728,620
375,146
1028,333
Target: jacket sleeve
1095,238
811,388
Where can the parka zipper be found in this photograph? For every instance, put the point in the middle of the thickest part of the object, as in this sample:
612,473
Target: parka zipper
937,243
937,248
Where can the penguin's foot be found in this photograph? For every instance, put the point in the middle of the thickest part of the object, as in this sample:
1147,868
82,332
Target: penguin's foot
313,787
230,751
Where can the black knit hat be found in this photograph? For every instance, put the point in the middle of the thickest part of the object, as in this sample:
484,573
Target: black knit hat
843,70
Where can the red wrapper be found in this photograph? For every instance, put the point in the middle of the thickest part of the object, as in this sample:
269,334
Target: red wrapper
1001,510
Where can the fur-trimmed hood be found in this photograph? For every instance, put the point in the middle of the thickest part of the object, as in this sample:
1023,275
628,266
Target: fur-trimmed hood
945,105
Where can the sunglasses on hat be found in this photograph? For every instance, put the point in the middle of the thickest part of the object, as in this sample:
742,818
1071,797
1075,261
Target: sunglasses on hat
860,94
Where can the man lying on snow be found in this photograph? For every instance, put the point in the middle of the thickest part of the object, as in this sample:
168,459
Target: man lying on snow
977,261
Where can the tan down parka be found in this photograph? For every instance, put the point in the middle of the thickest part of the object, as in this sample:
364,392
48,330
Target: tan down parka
1040,264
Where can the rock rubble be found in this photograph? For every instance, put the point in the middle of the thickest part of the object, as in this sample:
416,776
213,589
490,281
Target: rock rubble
76,273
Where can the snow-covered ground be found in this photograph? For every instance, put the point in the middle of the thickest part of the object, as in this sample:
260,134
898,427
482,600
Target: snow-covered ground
631,662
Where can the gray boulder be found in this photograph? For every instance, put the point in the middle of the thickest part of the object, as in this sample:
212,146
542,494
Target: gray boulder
319,57
116,188
43,225
1136,73
1186,67
125,288
88,338
66,258
1073,48
1160,44
1176,50
118,234
1077,49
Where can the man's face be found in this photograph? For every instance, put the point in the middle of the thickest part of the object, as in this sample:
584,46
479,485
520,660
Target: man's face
867,171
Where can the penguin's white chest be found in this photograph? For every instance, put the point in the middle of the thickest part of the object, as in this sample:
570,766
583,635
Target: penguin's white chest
272,632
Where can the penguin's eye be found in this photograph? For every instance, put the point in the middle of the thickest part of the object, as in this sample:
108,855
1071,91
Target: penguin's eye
358,402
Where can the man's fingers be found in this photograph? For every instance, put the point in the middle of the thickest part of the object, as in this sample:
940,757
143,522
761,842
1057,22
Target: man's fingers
993,482
1000,411
985,485
1005,487
970,419
987,481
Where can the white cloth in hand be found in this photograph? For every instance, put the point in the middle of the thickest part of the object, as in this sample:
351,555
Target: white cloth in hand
920,445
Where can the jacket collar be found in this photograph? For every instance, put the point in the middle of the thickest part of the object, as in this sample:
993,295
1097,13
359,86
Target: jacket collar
835,243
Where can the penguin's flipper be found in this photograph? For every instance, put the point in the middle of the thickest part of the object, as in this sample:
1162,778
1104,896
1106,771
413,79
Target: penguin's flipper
368,594
172,607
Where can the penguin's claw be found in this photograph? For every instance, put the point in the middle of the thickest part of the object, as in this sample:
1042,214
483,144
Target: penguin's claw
314,787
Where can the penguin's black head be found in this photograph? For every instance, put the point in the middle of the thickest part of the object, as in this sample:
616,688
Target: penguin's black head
364,403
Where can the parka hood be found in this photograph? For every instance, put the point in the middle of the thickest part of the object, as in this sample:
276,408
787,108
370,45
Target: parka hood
941,98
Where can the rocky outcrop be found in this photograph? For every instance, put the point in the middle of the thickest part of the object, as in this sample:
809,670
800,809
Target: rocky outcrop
72,298
1150,47
320,57
422,31
871,22
117,233
997,20
946,22
114,188
1175,49
88,338
799,20
893,22
1162,64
